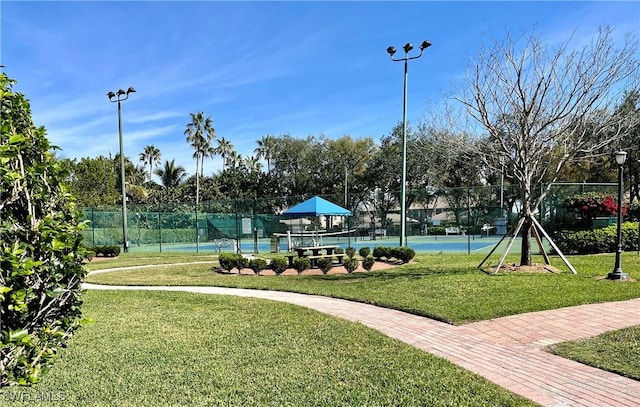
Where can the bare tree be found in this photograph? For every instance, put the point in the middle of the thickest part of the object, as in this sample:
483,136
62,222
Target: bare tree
543,106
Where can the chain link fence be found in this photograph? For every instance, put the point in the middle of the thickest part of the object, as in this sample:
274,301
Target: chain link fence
253,225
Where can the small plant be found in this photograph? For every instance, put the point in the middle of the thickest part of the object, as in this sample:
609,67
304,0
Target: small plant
257,265
368,263
279,265
350,252
403,254
339,250
350,264
301,264
364,252
325,264
380,252
240,262
227,261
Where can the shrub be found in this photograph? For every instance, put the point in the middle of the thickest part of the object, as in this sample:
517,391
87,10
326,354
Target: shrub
404,254
301,264
350,264
279,265
364,252
106,250
368,263
240,262
597,240
350,251
325,264
339,250
227,261
40,253
380,252
257,265
590,205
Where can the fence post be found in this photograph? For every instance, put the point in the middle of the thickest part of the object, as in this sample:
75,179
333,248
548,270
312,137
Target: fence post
160,230
468,220
93,228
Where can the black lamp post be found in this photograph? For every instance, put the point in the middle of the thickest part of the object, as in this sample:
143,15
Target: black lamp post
617,273
118,97
403,181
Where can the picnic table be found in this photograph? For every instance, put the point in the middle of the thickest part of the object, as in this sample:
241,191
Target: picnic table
315,254
315,250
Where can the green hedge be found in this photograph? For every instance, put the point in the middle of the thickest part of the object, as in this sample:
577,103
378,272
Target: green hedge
105,250
404,254
598,240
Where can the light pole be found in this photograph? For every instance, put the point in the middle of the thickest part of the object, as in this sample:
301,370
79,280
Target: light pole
502,187
617,273
118,97
403,181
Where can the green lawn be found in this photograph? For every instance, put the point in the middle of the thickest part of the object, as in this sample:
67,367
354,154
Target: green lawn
615,351
137,259
180,349
446,287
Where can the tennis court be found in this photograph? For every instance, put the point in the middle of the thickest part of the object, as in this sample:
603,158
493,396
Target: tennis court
421,244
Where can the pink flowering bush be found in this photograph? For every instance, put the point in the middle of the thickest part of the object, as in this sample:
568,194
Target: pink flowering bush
591,205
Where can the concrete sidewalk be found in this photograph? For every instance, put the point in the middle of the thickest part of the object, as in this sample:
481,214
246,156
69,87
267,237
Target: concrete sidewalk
508,351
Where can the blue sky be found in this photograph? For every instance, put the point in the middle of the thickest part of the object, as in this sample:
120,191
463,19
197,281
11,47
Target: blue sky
257,68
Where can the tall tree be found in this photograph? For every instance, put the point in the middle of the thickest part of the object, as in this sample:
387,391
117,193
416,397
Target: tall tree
265,149
200,133
224,150
536,102
171,176
89,182
149,157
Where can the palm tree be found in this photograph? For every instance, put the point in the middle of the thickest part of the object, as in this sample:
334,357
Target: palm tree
224,150
171,176
265,149
208,151
200,133
252,163
150,156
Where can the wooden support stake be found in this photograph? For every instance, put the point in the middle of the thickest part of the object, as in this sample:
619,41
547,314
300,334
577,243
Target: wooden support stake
506,251
540,246
496,247
554,246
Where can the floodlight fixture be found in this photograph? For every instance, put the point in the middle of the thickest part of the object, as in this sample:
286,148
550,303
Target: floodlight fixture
425,44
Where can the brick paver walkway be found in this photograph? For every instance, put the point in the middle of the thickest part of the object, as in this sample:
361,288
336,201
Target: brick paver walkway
508,351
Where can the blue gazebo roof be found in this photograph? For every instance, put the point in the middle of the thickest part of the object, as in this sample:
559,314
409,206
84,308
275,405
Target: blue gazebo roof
316,206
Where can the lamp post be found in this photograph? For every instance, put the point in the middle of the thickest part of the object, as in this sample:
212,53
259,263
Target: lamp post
118,97
617,273
502,186
403,181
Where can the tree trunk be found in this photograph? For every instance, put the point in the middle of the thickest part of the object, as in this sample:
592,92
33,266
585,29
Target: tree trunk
525,249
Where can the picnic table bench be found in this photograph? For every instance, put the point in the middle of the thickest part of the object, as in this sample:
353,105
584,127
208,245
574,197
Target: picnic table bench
315,254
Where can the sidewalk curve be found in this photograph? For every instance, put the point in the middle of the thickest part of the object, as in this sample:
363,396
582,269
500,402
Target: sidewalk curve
507,351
